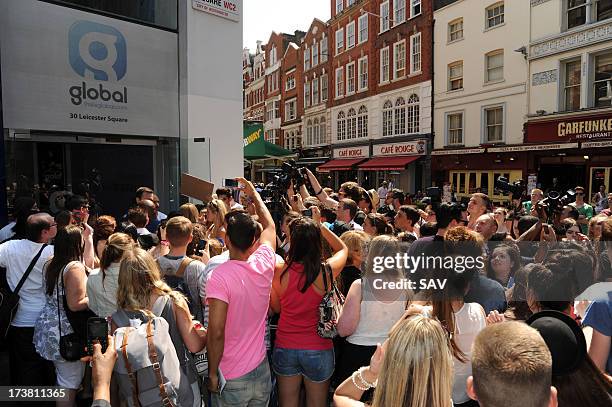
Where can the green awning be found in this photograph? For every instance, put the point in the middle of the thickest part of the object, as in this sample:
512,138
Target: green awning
256,148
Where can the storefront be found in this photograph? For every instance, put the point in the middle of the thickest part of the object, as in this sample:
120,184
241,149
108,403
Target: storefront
343,166
578,150
397,163
471,170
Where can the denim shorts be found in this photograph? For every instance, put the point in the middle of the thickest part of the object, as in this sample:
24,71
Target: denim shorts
315,365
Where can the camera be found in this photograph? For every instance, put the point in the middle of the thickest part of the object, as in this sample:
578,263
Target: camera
516,188
554,202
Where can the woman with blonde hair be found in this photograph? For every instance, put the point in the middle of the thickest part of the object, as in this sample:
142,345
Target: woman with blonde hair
413,368
190,211
142,294
356,242
370,309
103,282
216,214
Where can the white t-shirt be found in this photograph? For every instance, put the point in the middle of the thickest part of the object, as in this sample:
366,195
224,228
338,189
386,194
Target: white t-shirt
16,256
6,232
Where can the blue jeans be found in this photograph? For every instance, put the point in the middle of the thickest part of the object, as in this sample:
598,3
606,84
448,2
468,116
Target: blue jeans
252,390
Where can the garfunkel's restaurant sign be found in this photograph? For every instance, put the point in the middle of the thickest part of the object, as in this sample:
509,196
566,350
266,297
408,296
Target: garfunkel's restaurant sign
395,149
596,127
352,152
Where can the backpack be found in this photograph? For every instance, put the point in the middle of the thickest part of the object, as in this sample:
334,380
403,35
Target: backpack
177,281
147,367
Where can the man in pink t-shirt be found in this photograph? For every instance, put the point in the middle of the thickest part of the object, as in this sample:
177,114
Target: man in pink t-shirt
238,295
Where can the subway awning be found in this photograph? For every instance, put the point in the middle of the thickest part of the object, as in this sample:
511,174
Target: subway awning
388,163
339,165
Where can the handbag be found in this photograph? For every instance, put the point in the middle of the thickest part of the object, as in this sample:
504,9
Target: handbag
330,306
72,346
9,300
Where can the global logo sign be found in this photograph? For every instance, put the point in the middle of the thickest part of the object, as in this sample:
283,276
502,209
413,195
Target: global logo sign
97,51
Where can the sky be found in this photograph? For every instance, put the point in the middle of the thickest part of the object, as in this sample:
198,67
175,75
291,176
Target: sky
261,17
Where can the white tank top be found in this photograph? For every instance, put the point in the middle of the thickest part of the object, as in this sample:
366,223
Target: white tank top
376,319
469,321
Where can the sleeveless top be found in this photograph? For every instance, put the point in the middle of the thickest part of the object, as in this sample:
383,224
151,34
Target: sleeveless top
376,318
469,321
297,326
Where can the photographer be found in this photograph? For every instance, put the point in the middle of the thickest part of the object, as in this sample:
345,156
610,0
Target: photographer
536,196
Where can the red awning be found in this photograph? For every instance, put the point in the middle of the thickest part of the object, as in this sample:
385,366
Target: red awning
388,163
338,165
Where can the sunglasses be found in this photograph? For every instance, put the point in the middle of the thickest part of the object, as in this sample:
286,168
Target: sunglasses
579,193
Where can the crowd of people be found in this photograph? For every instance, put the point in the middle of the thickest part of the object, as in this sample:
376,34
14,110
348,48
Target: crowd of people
216,304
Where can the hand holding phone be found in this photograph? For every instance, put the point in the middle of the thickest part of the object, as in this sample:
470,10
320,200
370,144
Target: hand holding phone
97,331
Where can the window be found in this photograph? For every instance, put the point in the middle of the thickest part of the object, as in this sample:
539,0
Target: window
603,80
455,30
572,85
315,54
413,113
400,116
351,124
363,28
350,78
362,122
454,129
399,11
415,8
309,133
339,82
290,84
315,91
415,53
603,9
495,15
363,73
399,59
323,88
339,41
307,59
269,111
384,16
306,94
455,76
322,131
350,3
384,65
494,124
324,49
350,35
387,127
277,109
495,66
341,126
339,6
290,109
576,13
273,56
316,135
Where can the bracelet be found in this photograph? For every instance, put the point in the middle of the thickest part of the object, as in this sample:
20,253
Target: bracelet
360,375
355,383
319,193
164,243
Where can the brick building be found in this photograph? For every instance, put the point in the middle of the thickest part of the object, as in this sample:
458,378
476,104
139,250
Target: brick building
253,74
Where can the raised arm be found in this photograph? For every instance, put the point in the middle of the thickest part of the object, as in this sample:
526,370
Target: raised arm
268,235
319,192
338,260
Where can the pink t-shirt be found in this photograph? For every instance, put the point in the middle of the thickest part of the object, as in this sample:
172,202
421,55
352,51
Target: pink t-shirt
245,286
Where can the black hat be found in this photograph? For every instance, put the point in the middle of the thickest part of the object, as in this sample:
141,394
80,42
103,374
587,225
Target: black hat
564,339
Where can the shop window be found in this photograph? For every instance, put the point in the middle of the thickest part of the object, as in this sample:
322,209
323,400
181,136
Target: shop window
600,176
387,119
572,85
484,183
465,183
351,118
400,116
413,111
603,80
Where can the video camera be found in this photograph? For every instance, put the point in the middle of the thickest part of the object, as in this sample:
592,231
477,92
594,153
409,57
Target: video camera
554,202
433,197
516,188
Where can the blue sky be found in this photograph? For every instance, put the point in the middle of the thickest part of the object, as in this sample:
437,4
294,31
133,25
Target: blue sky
261,17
